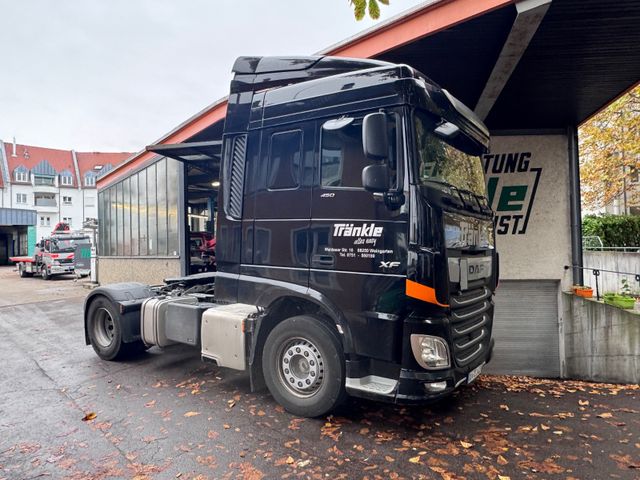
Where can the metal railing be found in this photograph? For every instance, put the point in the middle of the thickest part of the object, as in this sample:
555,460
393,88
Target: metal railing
596,275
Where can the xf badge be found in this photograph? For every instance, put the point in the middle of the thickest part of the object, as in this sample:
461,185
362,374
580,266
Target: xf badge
389,264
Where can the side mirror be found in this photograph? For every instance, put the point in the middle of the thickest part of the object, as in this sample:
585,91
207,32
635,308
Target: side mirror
375,178
375,141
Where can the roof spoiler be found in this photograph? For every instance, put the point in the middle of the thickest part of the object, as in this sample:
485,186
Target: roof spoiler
259,73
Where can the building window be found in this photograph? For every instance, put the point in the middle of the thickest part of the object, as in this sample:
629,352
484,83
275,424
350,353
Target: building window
67,220
66,180
89,181
66,200
89,202
43,180
22,176
45,200
138,216
45,221
21,198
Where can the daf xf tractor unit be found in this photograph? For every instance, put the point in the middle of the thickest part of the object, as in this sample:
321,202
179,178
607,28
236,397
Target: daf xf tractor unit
354,241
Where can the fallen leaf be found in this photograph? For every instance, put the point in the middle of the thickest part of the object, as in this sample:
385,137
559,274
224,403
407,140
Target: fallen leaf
303,463
389,459
150,404
415,459
231,403
191,414
502,460
89,416
583,402
290,460
504,477
504,407
226,426
605,415
544,427
466,444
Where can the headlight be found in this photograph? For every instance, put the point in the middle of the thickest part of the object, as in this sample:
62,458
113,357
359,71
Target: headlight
430,352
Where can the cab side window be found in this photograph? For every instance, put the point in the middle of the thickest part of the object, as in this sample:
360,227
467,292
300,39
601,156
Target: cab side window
285,157
343,158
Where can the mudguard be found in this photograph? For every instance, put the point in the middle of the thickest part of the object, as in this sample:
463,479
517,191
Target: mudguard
127,298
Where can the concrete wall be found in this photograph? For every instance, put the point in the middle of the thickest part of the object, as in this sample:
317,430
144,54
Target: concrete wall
618,261
150,270
602,343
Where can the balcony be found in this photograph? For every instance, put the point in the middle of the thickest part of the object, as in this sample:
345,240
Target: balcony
46,204
45,189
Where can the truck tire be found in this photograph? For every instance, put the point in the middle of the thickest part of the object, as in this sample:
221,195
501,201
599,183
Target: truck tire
303,366
23,272
104,326
45,273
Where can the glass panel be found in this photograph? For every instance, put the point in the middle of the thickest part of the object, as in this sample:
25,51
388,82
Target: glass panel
101,223
135,249
119,220
161,191
152,212
113,235
142,209
343,157
126,213
284,160
173,227
440,162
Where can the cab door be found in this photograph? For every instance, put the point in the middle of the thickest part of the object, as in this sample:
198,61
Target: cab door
359,239
282,181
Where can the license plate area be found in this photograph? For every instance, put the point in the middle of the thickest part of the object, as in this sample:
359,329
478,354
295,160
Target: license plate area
473,374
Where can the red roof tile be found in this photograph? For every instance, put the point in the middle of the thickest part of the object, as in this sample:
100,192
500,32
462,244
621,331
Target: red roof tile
87,161
30,156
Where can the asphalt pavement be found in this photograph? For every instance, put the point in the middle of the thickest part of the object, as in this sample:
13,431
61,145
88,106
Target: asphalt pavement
166,415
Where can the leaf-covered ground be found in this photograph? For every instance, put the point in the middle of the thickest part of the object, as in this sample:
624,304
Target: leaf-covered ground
66,414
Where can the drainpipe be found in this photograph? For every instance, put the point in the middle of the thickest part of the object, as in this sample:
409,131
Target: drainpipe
576,209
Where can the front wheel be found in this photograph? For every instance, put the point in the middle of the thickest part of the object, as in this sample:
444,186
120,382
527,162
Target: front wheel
104,326
303,366
45,273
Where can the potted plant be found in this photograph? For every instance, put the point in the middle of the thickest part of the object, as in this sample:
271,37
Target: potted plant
583,291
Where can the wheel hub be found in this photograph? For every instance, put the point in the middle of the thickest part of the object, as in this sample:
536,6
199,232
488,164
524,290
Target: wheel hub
301,367
104,328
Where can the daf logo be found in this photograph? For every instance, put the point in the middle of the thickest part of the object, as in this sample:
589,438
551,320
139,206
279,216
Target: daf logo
477,269
389,264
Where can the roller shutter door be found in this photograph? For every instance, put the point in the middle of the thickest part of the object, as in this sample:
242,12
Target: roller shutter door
526,329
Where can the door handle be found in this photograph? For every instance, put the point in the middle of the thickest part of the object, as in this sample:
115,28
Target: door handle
323,260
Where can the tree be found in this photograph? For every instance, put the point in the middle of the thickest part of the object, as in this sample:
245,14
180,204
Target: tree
610,153
360,8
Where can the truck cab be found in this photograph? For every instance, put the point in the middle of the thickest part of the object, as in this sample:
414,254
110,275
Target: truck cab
355,244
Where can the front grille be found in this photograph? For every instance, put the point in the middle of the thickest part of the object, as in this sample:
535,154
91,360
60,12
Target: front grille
470,324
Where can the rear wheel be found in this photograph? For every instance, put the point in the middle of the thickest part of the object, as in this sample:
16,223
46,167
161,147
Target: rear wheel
22,269
104,326
303,366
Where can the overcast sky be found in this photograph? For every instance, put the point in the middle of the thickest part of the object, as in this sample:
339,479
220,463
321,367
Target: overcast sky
116,75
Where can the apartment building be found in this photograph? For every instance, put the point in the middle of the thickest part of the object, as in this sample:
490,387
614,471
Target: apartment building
59,185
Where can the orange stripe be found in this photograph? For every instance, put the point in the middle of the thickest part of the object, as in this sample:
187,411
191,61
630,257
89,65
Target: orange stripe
422,292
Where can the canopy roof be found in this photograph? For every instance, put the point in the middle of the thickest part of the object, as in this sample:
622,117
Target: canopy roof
521,65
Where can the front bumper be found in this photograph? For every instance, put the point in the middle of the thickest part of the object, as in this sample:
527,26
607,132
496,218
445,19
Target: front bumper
411,384
60,269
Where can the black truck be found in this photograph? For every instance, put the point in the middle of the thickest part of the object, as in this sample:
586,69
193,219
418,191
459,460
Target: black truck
355,244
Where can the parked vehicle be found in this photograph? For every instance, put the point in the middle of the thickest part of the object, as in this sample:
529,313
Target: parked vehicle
355,247
202,250
54,255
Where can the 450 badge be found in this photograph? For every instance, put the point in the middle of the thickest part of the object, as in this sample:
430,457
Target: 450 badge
511,186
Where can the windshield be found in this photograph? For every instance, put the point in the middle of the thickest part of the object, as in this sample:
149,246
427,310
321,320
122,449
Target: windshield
60,246
438,161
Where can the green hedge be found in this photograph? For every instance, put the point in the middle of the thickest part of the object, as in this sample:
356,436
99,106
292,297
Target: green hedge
613,230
